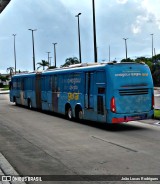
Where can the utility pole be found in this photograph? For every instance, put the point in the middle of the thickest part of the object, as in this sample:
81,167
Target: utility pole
15,51
48,56
109,53
79,38
34,65
55,59
94,33
125,39
152,46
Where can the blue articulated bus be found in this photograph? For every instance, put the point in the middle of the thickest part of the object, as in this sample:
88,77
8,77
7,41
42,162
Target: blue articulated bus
111,93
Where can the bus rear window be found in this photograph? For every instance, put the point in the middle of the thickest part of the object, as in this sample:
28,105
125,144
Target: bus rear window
101,90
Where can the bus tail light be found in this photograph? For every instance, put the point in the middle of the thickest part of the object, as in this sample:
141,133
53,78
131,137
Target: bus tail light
152,101
113,105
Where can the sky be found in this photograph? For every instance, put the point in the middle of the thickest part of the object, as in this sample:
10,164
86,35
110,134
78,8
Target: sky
55,21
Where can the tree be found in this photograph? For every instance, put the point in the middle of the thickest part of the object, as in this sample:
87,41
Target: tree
10,70
156,76
147,61
156,58
70,61
127,60
52,67
43,64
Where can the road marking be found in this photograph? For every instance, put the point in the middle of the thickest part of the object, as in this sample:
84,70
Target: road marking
12,109
115,144
157,123
157,95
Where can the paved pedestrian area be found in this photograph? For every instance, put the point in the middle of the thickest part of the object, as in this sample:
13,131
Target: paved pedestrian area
6,171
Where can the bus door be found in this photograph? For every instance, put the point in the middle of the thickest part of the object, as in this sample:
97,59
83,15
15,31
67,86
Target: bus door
101,90
38,91
89,89
22,91
101,95
55,93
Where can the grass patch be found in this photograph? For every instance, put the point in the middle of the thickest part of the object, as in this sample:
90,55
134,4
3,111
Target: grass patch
157,114
5,88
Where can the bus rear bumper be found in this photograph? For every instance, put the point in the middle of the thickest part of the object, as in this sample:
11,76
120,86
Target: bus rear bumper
120,118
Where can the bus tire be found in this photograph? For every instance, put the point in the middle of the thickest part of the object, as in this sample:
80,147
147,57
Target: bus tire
29,104
69,113
15,101
79,113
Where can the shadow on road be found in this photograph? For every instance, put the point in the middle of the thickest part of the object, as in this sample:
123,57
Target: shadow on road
103,126
94,124
113,127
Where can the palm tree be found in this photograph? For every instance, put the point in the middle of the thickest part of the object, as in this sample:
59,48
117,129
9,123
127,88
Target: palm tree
70,61
10,70
43,64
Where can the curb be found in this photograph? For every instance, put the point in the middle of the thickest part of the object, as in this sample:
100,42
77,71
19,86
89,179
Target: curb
7,170
4,92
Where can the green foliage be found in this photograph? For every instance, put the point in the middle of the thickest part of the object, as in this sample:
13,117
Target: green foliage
70,61
10,70
156,58
4,78
43,64
52,67
156,74
5,88
157,114
127,60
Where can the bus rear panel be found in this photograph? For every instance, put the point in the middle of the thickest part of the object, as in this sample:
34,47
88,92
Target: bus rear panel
131,93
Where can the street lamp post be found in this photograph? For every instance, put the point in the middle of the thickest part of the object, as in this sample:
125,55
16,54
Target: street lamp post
152,46
55,62
125,39
48,56
15,51
109,53
94,33
50,61
79,38
34,67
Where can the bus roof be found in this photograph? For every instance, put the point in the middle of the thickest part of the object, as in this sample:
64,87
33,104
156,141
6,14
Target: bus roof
77,67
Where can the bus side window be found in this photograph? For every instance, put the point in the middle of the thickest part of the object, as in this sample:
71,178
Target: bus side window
101,90
22,84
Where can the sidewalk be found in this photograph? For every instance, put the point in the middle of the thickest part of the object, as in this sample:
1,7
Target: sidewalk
7,170
4,91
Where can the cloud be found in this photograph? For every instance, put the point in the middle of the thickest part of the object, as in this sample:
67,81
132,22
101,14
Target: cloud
152,9
135,28
55,21
144,17
122,1
2,71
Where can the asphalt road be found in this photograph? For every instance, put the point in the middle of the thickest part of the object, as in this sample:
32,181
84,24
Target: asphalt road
37,143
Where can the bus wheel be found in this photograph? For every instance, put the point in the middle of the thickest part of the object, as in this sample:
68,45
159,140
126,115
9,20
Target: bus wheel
69,113
15,101
29,104
80,114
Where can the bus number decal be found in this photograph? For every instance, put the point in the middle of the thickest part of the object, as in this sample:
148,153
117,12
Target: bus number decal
73,96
